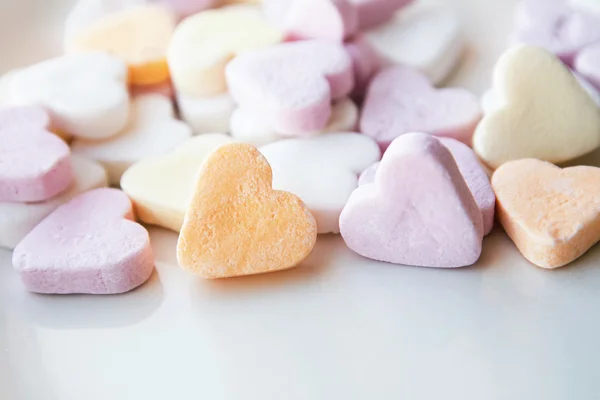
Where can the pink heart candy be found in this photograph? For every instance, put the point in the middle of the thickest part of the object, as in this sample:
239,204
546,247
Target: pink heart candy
35,164
365,62
587,64
292,85
374,12
418,211
88,245
401,100
556,26
473,174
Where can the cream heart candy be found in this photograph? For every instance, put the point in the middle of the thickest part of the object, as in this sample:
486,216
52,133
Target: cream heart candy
429,40
292,84
85,94
553,122
160,187
138,35
248,127
323,171
18,219
206,114
204,43
152,131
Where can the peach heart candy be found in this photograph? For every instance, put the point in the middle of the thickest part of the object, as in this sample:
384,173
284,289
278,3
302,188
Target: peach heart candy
533,119
551,214
89,245
374,12
160,187
314,19
293,84
418,211
236,224
18,219
138,35
473,173
556,26
85,94
401,100
35,165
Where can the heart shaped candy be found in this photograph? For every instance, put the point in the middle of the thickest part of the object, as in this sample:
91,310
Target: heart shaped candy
236,224
152,131
204,43
551,214
206,114
35,165
314,19
473,173
88,245
419,210
401,100
553,122
322,171
63,85
161,187
18,219
428,40
246,126
139,35
557,26
292,84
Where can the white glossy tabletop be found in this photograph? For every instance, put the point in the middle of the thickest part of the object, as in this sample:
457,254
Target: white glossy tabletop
337,327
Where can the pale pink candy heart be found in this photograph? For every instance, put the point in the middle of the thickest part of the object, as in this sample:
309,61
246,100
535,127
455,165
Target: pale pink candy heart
313,19
292,84
418,211
374,12
587,64
88,245
473,174
365,62
185,8
401,100
35,164
556,26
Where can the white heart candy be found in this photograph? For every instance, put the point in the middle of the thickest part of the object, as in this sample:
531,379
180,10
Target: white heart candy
322,170
85,94
429,40
152,131
160,187
18,219
206,114
249,127
541,111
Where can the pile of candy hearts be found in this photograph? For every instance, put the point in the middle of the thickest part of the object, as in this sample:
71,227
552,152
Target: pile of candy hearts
252,128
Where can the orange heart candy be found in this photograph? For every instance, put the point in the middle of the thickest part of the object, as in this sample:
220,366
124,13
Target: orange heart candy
236,224
138,35
552,214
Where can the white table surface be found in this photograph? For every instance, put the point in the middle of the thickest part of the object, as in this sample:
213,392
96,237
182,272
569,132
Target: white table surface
337,327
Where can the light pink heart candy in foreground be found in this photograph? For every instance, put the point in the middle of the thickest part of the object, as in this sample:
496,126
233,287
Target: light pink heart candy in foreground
88,245
374,12
556,26
292,84
473,173
402,100
35,164
418,211
365,62
587,64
